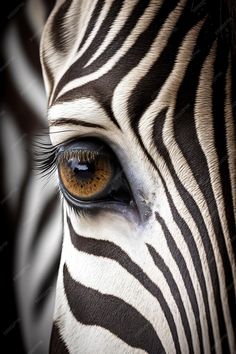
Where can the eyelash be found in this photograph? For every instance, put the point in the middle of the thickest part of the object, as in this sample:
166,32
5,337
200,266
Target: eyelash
45,156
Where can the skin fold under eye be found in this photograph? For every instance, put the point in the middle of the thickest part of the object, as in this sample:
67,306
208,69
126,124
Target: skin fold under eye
89,173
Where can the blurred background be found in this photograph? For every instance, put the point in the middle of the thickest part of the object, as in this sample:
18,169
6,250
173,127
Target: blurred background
30,217
10,339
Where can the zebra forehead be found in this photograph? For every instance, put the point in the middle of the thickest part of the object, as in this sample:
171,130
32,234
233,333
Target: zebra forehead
115,41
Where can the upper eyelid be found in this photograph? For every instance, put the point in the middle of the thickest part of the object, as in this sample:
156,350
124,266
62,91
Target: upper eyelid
47,154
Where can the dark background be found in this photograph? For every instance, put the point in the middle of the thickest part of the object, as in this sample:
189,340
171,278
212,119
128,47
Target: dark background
10,340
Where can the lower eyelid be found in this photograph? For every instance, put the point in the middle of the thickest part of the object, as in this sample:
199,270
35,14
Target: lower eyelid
129,212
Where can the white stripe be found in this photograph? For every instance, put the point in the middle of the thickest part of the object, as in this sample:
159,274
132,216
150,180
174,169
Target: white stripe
26,80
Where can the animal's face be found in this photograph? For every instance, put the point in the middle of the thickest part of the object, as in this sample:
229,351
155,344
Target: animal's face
145,242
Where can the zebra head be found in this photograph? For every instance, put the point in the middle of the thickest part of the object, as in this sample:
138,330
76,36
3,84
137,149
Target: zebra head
140,109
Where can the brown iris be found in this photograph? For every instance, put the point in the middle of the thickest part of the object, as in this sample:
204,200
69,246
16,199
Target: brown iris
84,174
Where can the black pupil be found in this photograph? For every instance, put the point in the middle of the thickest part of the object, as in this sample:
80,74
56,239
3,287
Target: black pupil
82,170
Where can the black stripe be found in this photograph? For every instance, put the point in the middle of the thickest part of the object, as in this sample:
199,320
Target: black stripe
93,19
58,31
72,121
158,260
93,308
57,345
109,250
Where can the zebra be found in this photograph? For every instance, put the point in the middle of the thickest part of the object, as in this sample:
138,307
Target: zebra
141,101
141,107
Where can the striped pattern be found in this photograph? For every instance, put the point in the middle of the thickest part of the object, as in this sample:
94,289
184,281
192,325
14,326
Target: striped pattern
154,80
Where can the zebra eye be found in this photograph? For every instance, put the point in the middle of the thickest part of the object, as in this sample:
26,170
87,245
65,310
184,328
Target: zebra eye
89,172
85,175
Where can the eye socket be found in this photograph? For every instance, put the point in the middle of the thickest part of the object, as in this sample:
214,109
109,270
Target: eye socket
90,173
